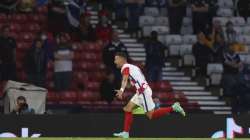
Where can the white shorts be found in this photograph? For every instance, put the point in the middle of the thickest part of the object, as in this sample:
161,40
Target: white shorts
144,100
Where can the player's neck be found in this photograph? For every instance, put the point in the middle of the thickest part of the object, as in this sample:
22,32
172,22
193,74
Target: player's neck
124,63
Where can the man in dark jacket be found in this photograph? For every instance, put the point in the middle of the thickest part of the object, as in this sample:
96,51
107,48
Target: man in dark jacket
155,57
109,52
36,64
7,55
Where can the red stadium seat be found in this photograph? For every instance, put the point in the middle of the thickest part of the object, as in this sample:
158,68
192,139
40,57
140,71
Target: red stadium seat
52,96
68,97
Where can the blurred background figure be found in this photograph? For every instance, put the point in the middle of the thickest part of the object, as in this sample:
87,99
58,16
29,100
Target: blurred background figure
107,87
22,108
155,58
35,62
7,55
63,63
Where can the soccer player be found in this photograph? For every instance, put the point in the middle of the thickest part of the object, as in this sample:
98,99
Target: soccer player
142,97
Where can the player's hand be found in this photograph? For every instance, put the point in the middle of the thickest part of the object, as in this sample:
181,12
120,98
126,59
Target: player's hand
119,94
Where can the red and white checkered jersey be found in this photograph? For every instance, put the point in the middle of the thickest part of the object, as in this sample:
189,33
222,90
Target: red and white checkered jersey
135,75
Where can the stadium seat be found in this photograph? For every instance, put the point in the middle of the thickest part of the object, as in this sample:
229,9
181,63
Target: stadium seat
188,60
19,18
162,21
189,39
146,21
93,86
173,40
52,96
239,30
225,12
187,30
215,71
248,21
68,97
215,79
174,50
161,30
15,27
221,20
214,68
185,49
246,30
3,18
245,57
147,31
238,21
151,11
162,38
226,4
189,11
187,21
245,39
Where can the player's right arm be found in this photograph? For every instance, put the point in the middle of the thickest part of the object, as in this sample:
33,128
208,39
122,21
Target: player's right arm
123,86
125,75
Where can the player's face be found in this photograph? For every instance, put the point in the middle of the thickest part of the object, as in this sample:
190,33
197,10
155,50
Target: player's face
118,61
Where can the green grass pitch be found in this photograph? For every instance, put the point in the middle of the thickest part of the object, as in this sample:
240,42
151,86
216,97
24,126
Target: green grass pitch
121,139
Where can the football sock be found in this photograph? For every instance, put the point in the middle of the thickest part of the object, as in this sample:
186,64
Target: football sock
161,112
128,120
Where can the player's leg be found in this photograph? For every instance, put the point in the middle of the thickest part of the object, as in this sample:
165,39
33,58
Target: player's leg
128,118
162,111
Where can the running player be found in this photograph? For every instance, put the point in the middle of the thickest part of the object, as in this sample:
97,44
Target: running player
142,97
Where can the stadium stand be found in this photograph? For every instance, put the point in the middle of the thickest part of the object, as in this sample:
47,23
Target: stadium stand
88,68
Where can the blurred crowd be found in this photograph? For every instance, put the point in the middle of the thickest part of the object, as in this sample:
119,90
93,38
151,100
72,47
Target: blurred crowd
70,21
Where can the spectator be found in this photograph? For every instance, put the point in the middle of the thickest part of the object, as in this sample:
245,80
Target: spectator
41,2
217,29
218,48
63,64
26,5
202,53
212,11
231,64
243,89
8,5
109,52
158,3
244,8
120,10
176,12
86,32
135,9
7,55
104,29
57,19
22,108
200,15
107,87
155,57
230,34
36,61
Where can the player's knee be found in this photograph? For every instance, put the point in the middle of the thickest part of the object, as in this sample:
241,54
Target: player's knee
149,115
126,109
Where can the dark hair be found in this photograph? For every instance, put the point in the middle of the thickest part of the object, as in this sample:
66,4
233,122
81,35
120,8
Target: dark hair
229,23
21,98
121,54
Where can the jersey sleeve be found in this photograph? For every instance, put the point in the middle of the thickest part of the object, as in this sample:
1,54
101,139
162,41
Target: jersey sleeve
125,71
